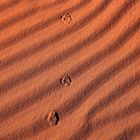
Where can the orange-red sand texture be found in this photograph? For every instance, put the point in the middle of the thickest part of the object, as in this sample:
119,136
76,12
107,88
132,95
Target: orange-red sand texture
70,69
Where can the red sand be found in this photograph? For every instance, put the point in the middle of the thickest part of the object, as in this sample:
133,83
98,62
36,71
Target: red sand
80,59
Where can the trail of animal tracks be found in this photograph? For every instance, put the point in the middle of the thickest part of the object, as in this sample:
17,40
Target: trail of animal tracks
69,69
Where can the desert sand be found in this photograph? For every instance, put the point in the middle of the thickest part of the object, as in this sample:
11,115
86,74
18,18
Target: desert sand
69,69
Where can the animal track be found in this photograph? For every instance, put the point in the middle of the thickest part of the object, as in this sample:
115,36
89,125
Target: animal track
53,118
66,18
65,80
